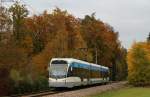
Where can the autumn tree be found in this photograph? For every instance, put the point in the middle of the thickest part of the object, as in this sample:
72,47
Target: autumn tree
139,64
98,36
102,38
63,38
14,58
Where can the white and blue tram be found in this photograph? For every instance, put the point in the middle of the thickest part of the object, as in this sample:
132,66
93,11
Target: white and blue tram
69,72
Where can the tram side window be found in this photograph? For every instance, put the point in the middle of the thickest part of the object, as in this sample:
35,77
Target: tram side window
105,73
70,72
95,73
79,70
73,70
84,70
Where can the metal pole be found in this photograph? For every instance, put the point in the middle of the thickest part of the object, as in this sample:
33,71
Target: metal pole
96,55
1,3
1,14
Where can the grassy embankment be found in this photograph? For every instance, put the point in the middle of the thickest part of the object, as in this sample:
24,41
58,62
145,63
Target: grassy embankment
126,92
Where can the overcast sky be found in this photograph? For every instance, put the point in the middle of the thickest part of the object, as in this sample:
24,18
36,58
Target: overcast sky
131,18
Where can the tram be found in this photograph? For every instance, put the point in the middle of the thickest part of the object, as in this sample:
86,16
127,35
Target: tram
69,72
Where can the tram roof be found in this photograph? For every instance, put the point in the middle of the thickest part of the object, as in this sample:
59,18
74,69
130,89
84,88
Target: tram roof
70,60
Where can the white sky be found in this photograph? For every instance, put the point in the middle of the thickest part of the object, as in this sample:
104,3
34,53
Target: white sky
131,18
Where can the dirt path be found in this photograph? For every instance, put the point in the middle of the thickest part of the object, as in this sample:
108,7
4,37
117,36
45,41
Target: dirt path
88,91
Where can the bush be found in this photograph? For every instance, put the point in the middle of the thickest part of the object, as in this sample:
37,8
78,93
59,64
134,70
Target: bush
138,59
25,86
42,83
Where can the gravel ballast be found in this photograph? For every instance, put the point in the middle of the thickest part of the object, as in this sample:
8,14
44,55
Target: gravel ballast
89,91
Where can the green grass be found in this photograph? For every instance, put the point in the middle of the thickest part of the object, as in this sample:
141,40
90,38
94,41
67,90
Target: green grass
126,92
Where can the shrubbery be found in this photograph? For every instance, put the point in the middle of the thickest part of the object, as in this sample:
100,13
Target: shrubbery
138,59
37,85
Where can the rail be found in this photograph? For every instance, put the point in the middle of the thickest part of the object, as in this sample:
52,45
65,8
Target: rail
55,91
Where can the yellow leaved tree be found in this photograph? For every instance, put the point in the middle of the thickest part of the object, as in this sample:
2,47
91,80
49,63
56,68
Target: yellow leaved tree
138,59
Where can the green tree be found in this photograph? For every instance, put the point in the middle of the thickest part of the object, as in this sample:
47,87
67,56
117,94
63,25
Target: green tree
121,65
148,38
19,13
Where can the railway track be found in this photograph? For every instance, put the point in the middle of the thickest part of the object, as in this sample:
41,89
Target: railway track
42,94
37,94
55,91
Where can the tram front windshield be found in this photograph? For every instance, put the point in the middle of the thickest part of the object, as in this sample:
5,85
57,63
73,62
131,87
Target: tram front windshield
58,69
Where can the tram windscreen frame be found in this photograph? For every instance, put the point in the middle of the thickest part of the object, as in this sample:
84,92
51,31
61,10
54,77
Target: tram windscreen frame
58,69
